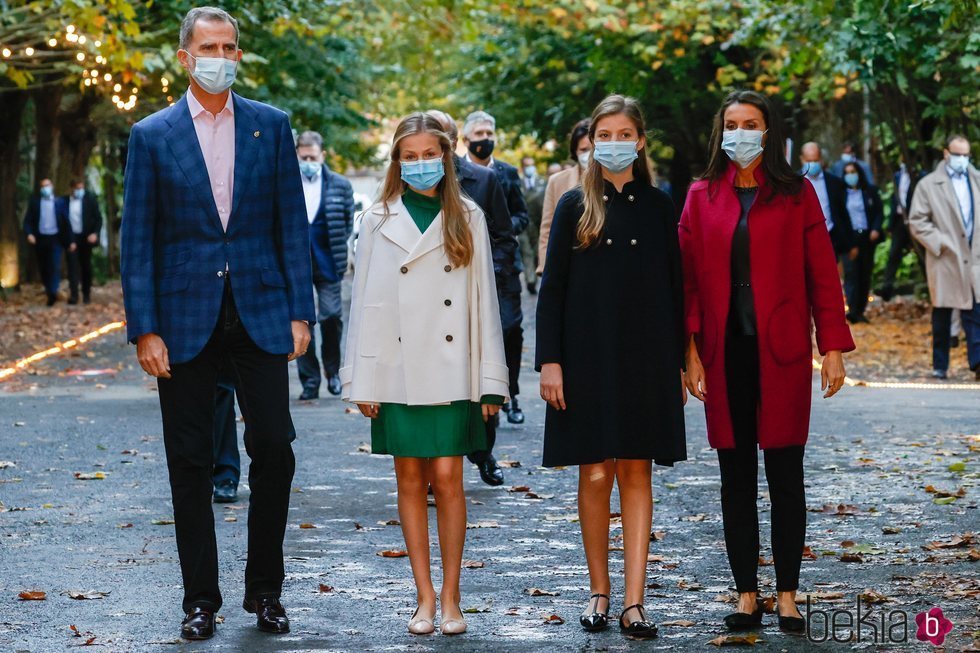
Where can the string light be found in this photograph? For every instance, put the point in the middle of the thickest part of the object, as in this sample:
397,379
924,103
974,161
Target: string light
70,29
80,56
117,88
108,77
6,52
52,42
29,51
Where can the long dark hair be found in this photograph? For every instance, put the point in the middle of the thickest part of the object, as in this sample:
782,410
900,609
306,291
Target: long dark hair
781,177
579,131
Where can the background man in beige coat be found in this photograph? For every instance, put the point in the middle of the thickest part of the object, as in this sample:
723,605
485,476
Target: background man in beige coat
943,217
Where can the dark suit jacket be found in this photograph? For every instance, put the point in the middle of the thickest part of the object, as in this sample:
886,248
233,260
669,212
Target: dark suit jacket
332,226
510,181
32,218
873,208
903,221
174,250
91,214
842,234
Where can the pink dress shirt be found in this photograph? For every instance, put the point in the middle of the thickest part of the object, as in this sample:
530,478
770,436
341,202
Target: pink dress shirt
216,134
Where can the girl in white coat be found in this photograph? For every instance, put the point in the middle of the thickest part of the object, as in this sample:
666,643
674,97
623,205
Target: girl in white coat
425,355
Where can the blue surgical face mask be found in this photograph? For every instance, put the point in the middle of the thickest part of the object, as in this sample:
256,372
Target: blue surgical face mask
851,179
47,192
530,171
847,158
309,168
959,162
742,145
423,174
615,156
812,168
214,74
78,193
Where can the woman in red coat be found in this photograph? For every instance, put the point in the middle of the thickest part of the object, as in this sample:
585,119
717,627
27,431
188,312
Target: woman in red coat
758,265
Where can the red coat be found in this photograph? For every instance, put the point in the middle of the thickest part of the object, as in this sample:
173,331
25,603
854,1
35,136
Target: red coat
794,276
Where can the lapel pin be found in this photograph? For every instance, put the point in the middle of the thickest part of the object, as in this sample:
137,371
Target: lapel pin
256,134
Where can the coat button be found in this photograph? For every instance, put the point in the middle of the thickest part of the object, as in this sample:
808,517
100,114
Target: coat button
448,268
404,270
633,242
605,198
631,198
449,338
449,302
609,241
221,273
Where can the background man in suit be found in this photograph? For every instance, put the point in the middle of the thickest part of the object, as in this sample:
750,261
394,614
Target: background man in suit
482,185
533,186
479,136
833,200
330,212
216,265
943,218
47,229
86,223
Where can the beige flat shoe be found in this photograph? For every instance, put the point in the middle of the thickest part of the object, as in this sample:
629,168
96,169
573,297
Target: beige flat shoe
421,625
453,626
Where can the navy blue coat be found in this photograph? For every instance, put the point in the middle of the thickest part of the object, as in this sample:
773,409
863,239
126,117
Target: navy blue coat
483,187
32,219
332,226
514,192
174,250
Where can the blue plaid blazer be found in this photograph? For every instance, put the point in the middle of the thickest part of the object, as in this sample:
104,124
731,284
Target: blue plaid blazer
173,248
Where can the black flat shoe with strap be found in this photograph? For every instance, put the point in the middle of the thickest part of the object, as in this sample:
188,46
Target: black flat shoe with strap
744,620
597,620
641,628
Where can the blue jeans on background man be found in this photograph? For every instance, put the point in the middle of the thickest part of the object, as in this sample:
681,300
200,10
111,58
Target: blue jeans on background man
941,320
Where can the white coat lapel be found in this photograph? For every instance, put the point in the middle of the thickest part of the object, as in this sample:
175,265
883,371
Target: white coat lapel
398,227
431,239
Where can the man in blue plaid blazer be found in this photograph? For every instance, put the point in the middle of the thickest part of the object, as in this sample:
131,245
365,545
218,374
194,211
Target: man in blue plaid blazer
216,267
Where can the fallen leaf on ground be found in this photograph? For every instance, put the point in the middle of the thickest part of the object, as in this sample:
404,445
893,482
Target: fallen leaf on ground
89,595
737,640
90,476
473,564
819,596
4,464
509,463
680,623
519,488
323,589
482,608
484,524
534,591
390,522
162,522
554,620
33,595
307,525
851,557
393,553
872,596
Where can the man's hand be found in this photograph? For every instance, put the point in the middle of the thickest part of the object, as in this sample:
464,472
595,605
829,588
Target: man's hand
72,247
31,239
853,254
93,238
152,355
875,235
301,338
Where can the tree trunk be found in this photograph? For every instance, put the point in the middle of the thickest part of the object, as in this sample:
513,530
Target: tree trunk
47,101
11,115
77,137
113,158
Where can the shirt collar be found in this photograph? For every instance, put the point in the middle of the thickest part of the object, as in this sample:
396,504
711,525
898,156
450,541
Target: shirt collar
953,174
470,159
196,107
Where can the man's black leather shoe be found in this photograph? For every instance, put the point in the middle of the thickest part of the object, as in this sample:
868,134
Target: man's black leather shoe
333,384
514,413
225,492
309,394
198,624
490,471
269,614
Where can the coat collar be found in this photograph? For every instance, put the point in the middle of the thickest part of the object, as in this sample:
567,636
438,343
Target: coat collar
400,229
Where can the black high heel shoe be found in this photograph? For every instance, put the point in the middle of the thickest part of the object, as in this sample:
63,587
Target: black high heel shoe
597,620
640,629
744,620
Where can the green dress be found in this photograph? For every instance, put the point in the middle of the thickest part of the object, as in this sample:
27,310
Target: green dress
452,429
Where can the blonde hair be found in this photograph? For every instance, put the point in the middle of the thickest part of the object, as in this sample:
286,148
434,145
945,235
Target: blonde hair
593,219
456,235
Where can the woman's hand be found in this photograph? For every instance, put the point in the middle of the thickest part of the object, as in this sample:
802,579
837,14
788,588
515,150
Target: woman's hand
552,387
489,410
369,410
695,372
832,373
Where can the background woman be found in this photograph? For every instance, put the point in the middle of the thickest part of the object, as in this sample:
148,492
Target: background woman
425,357
610,344
579,151
867,215
758,263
